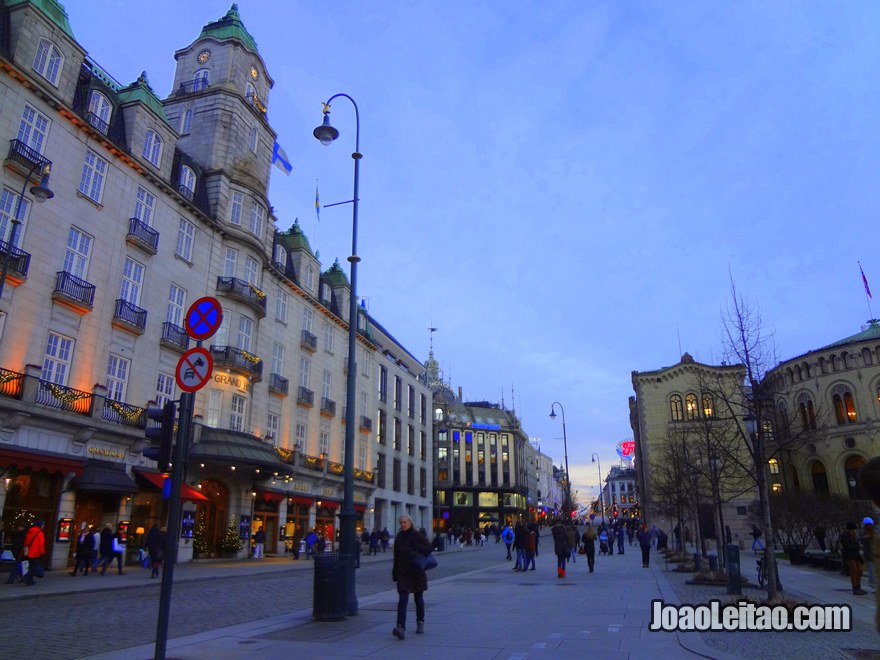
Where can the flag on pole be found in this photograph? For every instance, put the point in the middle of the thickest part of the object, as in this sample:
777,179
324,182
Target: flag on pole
280,159
317,203
865,282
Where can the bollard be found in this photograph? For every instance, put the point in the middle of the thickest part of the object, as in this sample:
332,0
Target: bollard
734,581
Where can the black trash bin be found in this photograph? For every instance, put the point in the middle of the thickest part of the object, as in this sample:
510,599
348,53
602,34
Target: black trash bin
330,597
440,543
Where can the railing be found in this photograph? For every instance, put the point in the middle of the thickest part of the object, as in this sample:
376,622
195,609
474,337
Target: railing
11,384
130,314
186,192
18,261
305,396
236,358
75,289
175,335
278,384
311,462
308,341
97,123
143,233
328,407
244,291
64,398
190,86
363,475
258,105
124,414
366,423
29,158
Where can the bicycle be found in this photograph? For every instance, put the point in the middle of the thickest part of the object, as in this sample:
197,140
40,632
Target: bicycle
762,571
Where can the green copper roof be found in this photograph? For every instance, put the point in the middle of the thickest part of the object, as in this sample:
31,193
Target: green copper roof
295,239
53,10
140,90
871,333
335,276
230,27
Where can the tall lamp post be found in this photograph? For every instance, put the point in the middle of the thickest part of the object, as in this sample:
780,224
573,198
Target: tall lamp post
601,490
566,507
325,133
41,193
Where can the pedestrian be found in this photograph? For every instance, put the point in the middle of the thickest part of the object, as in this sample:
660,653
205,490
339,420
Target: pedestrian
410,578
655,536
156,548
320,544
311,540
119,549
571,541
603,542
96,548
507,536
531,546
82,557
620,535
850,553
17,551
560,547
757,544
374,542
259,543
34,549
589,540
297,539
676,533
819,533
385,537
867,552
869,482
644,537
105,547
519,545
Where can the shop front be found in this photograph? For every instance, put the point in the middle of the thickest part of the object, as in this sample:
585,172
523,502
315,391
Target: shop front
297,524
266,518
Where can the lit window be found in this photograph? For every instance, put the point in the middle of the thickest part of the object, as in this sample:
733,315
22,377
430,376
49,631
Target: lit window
690,402
776,488
774,466
708,406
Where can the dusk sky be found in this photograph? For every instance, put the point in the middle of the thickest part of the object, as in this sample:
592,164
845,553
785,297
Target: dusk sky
565,189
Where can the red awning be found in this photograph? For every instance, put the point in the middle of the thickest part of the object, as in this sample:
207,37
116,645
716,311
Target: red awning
298,499
30,460
360,507
186,492
330,504
269,496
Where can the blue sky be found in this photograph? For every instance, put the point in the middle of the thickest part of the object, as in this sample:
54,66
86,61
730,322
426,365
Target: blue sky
564,189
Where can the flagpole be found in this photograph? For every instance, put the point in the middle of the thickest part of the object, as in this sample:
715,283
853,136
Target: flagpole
868,296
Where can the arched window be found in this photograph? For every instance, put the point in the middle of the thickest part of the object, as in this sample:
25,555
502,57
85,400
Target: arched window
200,80
690,406
708,406
438,415
806,370
820,477
808,413
186,122
99,111
851,475
250,92
844,406
773,464
866,357
48,61
676,409
187,186
823,366
833,363
153,147
797,369
782,414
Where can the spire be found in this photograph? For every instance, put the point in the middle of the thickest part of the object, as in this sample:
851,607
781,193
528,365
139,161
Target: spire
230,27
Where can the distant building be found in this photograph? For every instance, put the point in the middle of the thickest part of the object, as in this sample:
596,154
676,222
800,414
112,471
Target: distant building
619,493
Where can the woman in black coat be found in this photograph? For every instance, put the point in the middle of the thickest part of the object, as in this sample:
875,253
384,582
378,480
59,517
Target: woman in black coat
409,577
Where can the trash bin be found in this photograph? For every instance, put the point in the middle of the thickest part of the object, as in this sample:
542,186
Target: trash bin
440,542
330,595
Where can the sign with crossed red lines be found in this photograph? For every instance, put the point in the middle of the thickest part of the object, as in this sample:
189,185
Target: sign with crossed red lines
194,369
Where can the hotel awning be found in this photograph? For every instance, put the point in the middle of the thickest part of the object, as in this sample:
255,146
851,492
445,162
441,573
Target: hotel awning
105,477
43,460
157,480
239,449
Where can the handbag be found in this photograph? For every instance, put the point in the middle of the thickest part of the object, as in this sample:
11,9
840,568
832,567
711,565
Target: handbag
24,567
424,562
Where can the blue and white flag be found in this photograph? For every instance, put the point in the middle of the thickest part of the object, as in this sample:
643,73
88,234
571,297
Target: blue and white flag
280,159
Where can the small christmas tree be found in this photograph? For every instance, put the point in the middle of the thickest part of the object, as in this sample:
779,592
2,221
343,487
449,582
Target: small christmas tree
231,543
200,535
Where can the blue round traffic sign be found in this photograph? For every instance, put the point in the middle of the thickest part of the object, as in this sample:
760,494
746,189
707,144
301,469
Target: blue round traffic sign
203,318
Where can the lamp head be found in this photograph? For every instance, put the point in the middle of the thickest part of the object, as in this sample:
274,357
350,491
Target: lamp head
552,413
325,132
42,192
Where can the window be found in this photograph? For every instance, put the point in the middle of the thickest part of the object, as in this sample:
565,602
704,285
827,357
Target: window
302,432
48,61
310,278
281,306
327,385
200,80
410,440
808,413
395,476
258,215
176,305
245,332
280,257
381,428
187,182
708,406
251,271
324,442
307,320
99,111
186,122
132,281
411,402
76,257
423,409
185,233
305,367
215,402
273,424
144,206
230,262
362,456
690,402
398,386
8,207
92,182
383,384
33,128
328,341
153,148
164,388
675,408
56,361
438,415
423,445
252,139
397,435
277,358
235,208
844,406
117,377
236,413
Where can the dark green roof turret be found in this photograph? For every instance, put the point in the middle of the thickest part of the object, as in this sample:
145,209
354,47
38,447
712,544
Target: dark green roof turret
335,276
53,9
870,333
295,239
230,27
140,90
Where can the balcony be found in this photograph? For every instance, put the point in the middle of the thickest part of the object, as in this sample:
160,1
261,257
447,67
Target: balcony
189,193
243,291
64,398
328,407
308,341
366,424
129,316
278,384
73,292
124,414
174,337
28,160
97,123
143,236
305,397
17,263
230,357
191,86
11,384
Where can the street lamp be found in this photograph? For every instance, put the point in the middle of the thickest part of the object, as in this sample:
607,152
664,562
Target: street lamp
601,490
566,507
325,133
41,193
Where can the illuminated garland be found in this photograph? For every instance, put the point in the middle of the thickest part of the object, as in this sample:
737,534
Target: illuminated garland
8,376
66,394
250,357
128,412
285,454
259,294
336,468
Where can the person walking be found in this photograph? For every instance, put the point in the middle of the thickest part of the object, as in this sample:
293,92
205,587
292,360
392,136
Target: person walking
85,544
519,545
560,547
571,541
410,578
34,549
621,532
644,538
531,546
311,540
96,548
507,536
850,553
259,543
385,537
156,547
17,551
589,540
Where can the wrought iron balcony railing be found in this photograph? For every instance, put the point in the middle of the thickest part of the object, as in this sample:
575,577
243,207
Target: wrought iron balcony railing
305,396
239,360
366,423
186,192
308,341
18,261
142,235
11,384
28,158
278,384
64,398
328,407
174,336
69,288
130,315
243,291
97,123
190,86
124,414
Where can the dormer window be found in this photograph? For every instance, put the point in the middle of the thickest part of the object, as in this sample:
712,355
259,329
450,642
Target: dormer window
187,186
99,111
153,147
48,61
200,80
310,278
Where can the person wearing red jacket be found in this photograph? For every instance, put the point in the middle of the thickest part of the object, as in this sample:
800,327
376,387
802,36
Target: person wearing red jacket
35,547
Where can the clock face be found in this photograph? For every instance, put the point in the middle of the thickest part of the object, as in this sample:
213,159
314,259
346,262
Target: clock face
204,56
254,73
